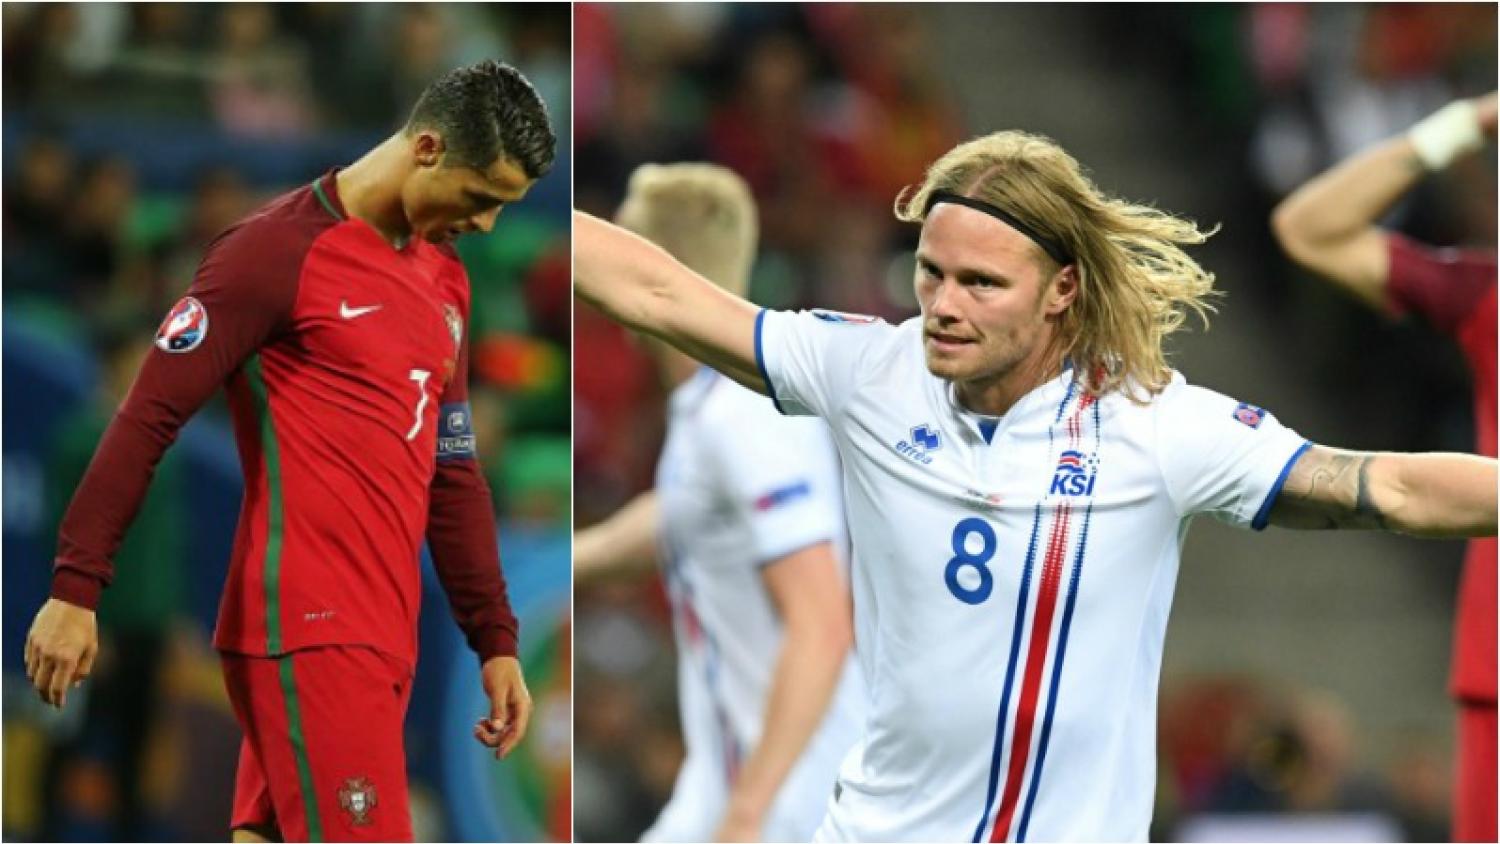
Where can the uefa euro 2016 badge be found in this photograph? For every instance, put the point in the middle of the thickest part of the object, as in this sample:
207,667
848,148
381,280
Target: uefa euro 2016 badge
184,328
1249,414
841,318
357,797
455,325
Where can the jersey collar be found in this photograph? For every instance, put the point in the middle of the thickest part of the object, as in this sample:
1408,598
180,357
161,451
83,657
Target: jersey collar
984,429
326,189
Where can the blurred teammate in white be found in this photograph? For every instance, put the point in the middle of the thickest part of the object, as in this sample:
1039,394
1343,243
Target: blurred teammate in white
748,521
1016,521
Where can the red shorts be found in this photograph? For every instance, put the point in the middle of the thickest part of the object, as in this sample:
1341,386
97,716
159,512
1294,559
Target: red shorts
1474,806
323,757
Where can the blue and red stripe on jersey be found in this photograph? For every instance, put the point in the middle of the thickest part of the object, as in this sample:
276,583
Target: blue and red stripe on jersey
1019,739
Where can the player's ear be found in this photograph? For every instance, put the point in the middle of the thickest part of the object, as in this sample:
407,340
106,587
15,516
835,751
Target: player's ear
1062,289
428,148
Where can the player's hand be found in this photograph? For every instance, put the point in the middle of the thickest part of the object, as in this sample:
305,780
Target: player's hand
1485,105
510,705
60,649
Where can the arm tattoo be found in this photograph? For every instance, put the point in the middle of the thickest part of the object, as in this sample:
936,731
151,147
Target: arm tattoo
1329,489
1364,502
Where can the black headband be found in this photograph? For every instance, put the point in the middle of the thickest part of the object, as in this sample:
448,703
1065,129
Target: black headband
1050,246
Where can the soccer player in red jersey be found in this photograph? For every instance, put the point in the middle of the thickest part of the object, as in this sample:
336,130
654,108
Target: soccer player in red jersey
1329,227
334,318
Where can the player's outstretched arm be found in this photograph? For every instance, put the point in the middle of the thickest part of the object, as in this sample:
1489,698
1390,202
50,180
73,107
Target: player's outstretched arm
1436,495
1329,224
813,602
639,285
624,543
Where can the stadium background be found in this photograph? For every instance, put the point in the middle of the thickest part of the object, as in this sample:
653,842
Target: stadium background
131,136
1304,673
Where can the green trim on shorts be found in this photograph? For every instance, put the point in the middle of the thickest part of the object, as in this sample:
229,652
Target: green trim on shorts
299,750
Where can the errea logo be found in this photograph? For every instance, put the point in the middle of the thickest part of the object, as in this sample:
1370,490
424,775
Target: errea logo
924,441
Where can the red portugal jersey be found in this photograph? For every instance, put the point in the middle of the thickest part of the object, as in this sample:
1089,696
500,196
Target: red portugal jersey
1454,290
344,360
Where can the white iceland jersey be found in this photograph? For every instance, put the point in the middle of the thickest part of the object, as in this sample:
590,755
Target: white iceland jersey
741,486
1012,579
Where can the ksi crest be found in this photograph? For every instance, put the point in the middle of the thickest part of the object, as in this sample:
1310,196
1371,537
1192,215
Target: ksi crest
455,325
357,797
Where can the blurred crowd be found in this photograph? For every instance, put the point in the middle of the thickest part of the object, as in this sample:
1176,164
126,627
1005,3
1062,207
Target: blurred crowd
265,70
1287,90
828,110
1234,746
825,110
133,135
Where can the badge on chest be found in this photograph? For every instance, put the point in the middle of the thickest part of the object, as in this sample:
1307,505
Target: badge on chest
924,440
1075,474
455,325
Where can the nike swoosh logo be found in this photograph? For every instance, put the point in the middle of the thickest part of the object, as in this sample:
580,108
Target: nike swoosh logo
350,313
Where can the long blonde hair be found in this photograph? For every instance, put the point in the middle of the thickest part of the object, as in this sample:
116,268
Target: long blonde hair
1135,284
703,214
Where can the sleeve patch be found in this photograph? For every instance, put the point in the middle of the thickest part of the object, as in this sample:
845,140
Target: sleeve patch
782,495
455,440
184,328
1249,414
841,318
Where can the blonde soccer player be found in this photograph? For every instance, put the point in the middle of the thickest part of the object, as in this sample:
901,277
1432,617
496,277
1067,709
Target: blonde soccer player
1020,465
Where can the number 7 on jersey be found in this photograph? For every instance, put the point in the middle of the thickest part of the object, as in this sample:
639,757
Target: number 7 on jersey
420,376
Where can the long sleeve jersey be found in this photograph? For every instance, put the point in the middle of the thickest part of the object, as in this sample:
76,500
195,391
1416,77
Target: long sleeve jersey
345,364
1454,291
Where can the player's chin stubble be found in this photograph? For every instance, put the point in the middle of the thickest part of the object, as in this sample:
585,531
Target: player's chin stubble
988,360
972,364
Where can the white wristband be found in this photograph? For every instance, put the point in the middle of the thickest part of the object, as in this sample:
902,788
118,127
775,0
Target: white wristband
1446,134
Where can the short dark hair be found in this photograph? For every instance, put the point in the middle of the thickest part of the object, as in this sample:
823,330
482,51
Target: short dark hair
484,111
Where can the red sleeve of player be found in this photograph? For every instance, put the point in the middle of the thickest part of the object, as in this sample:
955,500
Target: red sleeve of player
242,295
461,528
1443,286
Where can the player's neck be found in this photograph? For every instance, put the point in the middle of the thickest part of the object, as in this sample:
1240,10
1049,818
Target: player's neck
996,395
370,190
